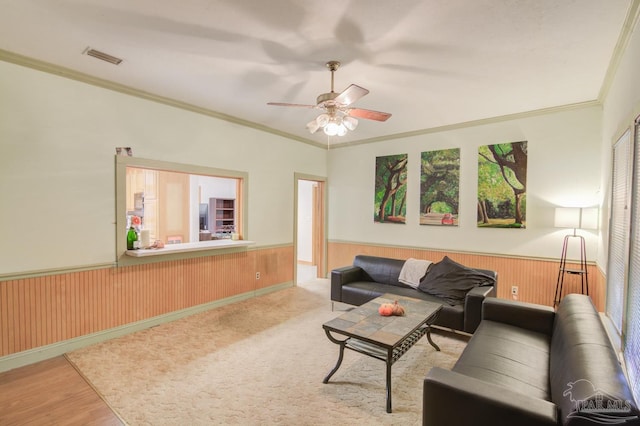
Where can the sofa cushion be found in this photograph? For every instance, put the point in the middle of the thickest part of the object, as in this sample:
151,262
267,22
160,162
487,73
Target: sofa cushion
451,281
508,356
359,292
585,370
380,269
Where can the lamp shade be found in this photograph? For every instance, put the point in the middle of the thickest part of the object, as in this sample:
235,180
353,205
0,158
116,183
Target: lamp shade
589,218
567,217
576,217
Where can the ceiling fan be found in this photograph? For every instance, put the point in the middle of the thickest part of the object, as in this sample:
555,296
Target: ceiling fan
338,115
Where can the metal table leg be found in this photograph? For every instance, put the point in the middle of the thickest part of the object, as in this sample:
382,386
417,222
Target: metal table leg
436,347
341,343
389,360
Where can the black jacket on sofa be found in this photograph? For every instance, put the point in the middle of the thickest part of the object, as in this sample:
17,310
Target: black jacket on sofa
371,276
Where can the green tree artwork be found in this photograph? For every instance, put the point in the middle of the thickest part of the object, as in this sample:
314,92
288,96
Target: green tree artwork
502,185
391,189
440,187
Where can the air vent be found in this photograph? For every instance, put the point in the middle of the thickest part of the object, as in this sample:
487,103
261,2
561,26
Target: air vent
102,56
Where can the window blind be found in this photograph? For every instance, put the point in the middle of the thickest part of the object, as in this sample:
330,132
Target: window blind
632,328
619,229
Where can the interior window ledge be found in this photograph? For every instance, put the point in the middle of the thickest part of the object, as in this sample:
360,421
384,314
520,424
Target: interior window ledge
187,247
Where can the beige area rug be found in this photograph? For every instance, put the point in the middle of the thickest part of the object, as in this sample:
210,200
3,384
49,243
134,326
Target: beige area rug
257,362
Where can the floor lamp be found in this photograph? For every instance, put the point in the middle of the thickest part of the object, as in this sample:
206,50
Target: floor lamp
576,218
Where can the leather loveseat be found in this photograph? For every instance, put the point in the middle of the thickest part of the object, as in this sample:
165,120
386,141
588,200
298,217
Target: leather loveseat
459,289
529,365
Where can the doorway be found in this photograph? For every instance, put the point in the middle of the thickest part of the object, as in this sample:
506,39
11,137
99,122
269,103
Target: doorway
310,228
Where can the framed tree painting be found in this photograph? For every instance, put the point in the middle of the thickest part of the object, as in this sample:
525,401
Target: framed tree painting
440,187
502,185
390,204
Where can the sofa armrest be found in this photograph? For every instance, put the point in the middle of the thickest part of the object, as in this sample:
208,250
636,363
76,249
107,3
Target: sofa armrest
451,398
342,276
530,316
473,306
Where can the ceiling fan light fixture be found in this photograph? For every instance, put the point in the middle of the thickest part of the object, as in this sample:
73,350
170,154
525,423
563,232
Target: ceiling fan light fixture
332,126
331,129
322,120
338,117
337,125
313,126
350,122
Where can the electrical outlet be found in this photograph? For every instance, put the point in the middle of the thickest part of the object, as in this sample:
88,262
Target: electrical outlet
514,290
257,275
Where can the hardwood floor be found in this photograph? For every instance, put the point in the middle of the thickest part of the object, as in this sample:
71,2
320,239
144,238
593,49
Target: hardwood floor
51,392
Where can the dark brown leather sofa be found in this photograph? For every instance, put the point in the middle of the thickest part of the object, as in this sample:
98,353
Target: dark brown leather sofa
372,276
530,365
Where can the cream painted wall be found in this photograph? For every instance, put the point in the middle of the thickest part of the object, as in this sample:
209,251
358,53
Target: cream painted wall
563,169
620,107
58,139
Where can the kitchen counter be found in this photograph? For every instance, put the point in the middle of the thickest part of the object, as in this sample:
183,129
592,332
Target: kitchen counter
187,247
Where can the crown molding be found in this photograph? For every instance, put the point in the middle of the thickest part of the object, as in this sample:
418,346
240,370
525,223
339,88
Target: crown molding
473,123
39,65
630,22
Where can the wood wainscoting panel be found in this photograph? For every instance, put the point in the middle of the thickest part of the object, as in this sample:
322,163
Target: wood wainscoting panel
275,266
40,311
536,278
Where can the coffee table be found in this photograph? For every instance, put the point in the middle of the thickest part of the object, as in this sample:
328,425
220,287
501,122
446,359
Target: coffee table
383,338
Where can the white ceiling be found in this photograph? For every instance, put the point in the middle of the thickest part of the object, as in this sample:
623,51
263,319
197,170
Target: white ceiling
430,63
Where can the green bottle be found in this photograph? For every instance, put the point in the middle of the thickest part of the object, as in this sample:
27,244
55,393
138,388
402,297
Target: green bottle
132,237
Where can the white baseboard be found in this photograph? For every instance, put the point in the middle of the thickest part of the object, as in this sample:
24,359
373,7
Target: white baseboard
42,353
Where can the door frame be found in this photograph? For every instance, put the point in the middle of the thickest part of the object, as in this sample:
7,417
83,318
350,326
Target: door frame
319,224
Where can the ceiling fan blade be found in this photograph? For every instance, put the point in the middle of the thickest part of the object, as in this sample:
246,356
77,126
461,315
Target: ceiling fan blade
351,94
368,114
290,105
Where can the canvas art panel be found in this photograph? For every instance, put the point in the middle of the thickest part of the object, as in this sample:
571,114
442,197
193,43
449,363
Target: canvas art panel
440,187
502,185
390,201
